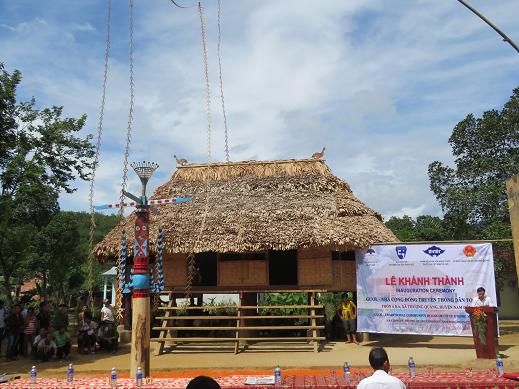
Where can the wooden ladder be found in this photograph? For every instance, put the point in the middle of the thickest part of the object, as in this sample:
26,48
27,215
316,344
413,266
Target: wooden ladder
164,334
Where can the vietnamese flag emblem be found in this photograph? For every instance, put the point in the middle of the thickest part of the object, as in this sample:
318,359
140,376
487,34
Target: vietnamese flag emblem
469,251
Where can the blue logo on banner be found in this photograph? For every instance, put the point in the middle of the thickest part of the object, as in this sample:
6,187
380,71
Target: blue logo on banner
370,251
434,251
401,251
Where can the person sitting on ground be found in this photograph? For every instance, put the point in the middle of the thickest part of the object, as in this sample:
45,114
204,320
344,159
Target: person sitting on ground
46,348
348,313
107,313
380,379
203,382
41,335
108,337
86,338
62,339
481,300
61,317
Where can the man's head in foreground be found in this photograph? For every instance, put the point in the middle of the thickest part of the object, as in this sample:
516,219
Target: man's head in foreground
203,382
378,359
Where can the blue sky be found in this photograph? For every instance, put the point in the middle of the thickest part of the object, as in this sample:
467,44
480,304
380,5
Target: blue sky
380,83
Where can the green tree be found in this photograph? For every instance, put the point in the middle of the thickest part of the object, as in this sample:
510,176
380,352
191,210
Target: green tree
472,194
41,153
424,228
486,152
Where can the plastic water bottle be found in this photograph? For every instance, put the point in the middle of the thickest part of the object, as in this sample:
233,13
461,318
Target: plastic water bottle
70,373
499,364
33,374
138,378
113,378
412,367
346,370
277,376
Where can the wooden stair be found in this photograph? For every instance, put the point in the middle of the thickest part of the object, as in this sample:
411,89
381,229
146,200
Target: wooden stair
168,332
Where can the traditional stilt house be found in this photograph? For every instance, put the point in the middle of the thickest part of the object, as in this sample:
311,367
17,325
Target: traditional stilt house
259,226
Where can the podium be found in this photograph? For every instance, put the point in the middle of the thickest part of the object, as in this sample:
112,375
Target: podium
488,350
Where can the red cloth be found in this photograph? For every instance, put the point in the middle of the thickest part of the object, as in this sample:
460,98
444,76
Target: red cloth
460,380
512,376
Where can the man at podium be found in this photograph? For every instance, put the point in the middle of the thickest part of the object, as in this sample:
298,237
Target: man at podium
481,300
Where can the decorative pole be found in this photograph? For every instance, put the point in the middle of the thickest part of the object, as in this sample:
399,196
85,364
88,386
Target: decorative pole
140,347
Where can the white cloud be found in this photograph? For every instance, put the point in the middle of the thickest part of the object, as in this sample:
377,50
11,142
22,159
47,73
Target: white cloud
380,84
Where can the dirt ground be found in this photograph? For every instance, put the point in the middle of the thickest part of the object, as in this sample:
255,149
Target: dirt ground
443,353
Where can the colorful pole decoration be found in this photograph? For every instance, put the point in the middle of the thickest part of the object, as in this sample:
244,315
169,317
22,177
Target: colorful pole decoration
142,281
140,347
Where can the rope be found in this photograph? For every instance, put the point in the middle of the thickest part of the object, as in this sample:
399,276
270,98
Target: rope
206,74
118,299
96,156
191,264
227,157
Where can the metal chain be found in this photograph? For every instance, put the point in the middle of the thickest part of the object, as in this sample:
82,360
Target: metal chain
227,157
96,157
206,74
118,299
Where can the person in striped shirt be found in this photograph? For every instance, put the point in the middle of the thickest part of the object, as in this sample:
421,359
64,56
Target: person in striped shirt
30,330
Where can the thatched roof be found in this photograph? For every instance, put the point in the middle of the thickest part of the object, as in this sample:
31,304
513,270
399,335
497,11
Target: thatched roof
254,206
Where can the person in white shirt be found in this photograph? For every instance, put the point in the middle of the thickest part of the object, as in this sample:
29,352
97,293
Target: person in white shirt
107,313
481,300
46,348
380,379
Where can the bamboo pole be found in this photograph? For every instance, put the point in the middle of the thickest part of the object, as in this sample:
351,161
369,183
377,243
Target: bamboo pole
512,191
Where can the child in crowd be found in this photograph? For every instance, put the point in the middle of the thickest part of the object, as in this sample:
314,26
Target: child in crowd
30,330
86,338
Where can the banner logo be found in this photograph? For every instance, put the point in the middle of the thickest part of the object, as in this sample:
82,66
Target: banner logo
370,251
401,251
469,251
434,251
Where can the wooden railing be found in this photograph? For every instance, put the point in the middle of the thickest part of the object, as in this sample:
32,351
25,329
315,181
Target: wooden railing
168,331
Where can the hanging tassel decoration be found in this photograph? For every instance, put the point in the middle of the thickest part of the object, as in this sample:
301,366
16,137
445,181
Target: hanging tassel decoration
160,274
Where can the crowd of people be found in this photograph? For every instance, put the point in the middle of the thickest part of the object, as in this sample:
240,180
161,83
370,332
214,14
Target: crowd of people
43,335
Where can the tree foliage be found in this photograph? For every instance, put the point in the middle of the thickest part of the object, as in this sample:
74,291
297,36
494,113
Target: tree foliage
41,153
424,228
486,153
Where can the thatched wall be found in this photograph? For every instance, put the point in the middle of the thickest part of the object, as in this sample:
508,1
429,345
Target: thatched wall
257,205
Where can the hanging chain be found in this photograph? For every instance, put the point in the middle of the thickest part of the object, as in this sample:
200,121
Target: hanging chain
206,74
96,158
118,296
227,157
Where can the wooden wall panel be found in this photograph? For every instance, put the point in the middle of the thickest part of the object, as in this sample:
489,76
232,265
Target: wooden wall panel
315,272
242,273
175,270
344,275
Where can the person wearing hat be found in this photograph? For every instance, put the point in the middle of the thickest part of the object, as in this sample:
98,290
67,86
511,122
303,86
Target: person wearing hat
347,311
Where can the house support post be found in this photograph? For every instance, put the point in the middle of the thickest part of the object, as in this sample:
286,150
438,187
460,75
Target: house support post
512,191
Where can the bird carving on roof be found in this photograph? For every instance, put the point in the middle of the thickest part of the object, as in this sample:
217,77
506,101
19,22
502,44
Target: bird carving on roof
319,154
180,161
